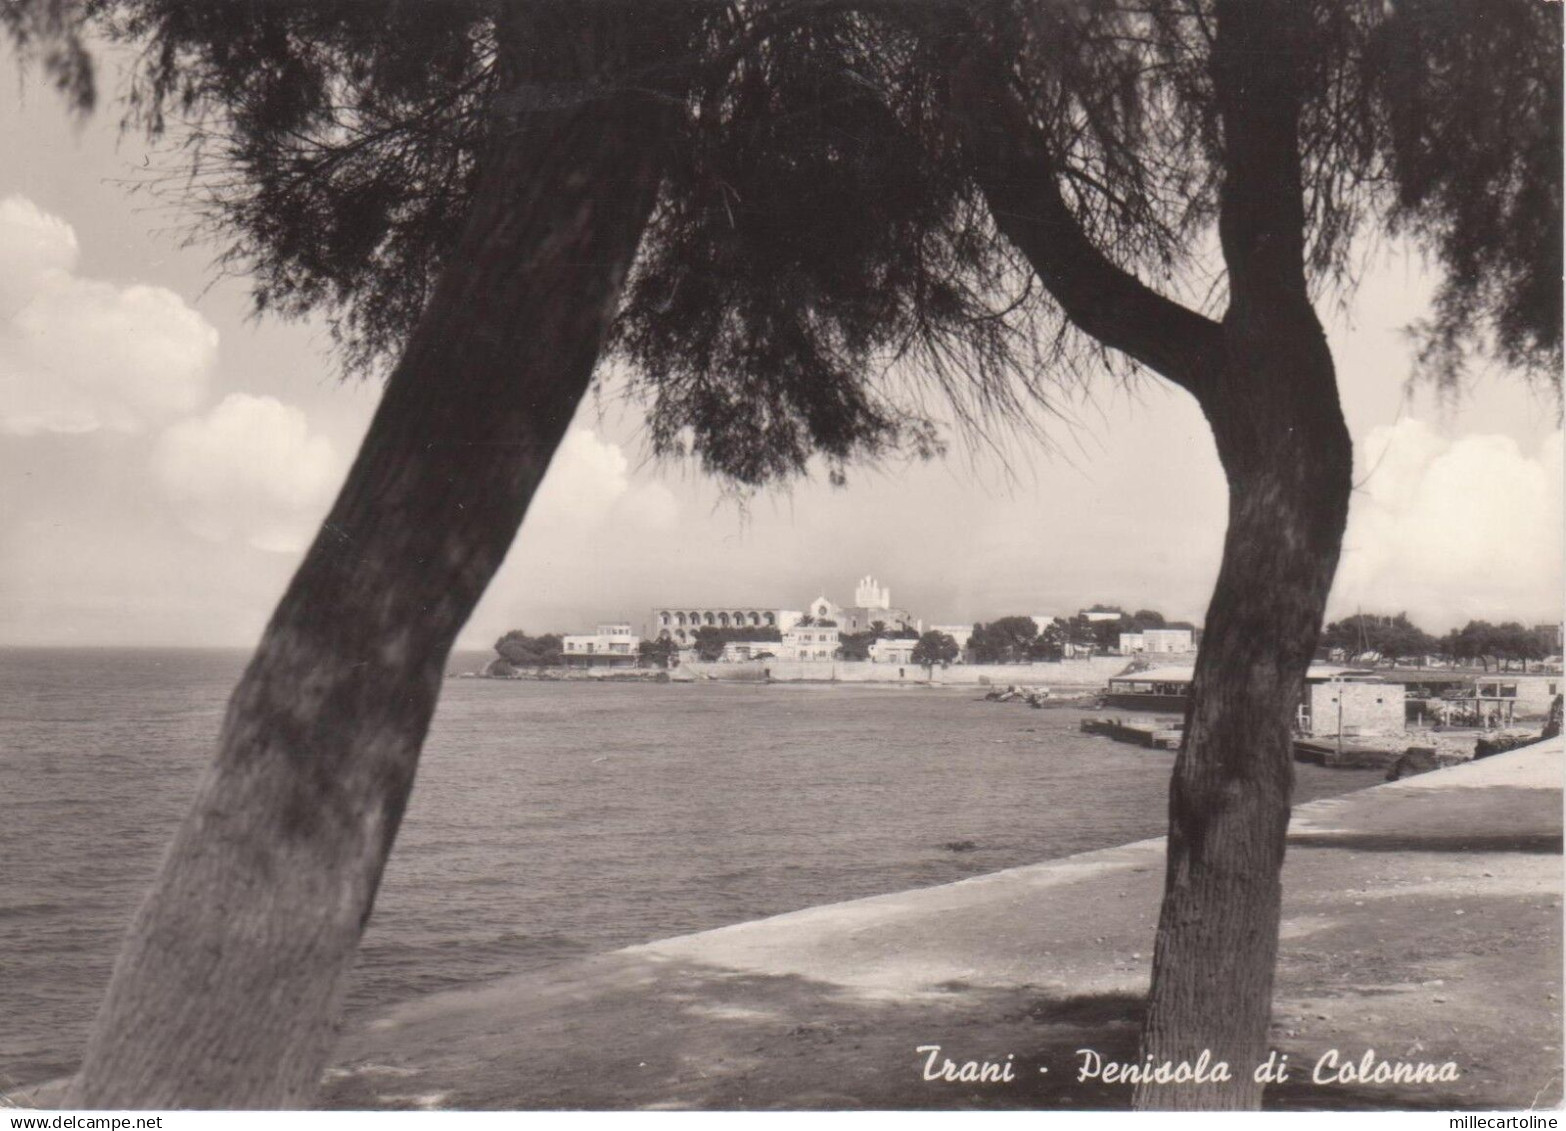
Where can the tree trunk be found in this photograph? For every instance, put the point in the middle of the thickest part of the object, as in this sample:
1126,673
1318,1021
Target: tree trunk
226,991
1288,458
1265,380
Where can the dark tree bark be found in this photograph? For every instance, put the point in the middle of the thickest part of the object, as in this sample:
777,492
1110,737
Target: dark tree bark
227,988
1265,381
1288,458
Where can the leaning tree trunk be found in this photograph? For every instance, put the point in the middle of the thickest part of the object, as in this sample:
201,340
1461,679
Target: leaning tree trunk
1287,455
226,991
1264,378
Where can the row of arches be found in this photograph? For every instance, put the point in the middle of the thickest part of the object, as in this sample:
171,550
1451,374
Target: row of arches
716,618
679,634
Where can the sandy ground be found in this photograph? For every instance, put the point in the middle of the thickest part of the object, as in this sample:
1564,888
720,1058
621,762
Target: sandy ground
1422,921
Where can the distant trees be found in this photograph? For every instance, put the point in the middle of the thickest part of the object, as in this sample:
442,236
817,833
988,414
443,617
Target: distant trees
1397,638
1003,641
1050,643
1502,644
656,653
935,648
1391,637
1104,635
520,650
855,645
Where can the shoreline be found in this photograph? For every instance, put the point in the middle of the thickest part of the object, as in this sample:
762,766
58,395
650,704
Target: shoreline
1422,919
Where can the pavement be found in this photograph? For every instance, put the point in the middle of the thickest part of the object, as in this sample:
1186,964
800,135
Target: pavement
1422,925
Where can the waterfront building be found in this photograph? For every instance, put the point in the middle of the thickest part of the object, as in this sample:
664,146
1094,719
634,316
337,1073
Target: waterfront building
892,651
1335,701
872,602
743,651
680,622
809,642
610,645
1157,641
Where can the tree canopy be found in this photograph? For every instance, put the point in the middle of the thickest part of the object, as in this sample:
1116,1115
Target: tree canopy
934,648
1391,637
822,251
518,648
1501,644
709,640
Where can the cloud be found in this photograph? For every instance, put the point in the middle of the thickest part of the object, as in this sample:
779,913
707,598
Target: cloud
1453,529
82,355
249,470
589,484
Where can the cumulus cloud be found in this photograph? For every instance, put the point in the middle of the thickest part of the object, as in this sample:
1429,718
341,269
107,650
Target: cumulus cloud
83,355
1452,529
249,470
589,484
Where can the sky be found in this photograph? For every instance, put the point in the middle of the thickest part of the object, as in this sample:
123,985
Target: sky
166,459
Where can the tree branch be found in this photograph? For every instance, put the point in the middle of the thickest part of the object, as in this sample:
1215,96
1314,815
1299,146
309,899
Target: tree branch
1017,172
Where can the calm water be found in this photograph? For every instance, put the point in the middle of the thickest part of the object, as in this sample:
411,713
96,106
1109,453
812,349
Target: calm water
549,820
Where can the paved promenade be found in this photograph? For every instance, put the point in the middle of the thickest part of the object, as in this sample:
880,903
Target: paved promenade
1422,920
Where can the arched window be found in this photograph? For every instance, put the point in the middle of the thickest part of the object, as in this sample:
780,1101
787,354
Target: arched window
663,618
771,620
679,618
708,618
723,620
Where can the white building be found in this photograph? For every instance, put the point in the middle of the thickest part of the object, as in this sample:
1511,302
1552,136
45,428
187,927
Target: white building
1157,641
898,651
610,645
809,642
743,651
681,622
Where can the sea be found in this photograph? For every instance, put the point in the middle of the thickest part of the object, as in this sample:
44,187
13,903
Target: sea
549,821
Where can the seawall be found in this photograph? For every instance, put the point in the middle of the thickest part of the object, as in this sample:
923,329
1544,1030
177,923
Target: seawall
1085,673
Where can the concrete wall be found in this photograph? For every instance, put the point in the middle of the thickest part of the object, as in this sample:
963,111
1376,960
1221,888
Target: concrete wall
1367,708
1077,674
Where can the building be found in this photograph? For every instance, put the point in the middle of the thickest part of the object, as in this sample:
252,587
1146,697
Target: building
680,622
1336,700
872,603
610,645
1154,689
892,651
743,651
1157,641
809,643
1348,708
